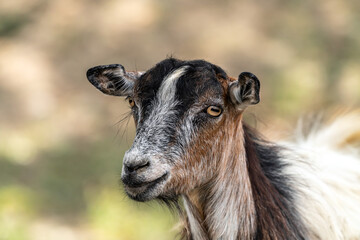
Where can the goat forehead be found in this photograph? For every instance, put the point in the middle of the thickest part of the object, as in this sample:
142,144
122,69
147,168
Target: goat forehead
165,99
197,86
186,81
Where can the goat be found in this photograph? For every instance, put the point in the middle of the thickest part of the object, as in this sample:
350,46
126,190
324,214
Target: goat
191,142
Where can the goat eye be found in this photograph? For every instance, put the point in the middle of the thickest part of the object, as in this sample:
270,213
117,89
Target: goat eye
214,111
131,102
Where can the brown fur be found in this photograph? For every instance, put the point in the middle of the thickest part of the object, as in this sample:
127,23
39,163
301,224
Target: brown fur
271,223
223,165
234,165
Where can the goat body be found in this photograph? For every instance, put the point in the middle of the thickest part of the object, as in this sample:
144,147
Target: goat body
191,143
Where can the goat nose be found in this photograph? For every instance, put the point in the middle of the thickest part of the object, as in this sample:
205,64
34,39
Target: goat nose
131,167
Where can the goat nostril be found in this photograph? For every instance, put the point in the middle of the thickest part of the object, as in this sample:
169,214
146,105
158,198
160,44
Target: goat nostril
133,168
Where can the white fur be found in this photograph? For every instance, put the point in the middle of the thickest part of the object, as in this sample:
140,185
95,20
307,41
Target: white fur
168,87
150,138
195,227
234,206
125,79
328,179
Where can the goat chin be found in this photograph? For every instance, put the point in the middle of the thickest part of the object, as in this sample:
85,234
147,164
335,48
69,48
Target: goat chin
146,191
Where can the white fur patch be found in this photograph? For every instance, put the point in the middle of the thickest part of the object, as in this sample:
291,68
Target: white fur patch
152,137
328,174
195,225
168,87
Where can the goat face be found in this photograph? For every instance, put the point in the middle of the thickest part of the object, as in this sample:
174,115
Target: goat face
180,110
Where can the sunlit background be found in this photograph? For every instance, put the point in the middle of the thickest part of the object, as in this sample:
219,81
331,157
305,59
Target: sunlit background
62,141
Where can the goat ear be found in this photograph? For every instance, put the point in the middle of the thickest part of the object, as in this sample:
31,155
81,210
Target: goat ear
113,79
245,91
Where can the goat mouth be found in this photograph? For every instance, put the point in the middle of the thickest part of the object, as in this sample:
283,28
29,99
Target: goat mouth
143,191
143,184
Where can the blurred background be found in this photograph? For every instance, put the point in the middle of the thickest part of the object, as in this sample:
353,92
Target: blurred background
62,141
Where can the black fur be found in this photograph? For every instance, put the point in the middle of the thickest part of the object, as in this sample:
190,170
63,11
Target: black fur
269,157
113,83
200,77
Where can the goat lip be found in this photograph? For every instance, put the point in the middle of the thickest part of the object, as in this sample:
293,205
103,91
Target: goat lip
135,185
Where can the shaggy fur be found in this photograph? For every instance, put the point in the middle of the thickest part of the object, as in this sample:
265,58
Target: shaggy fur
234,184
